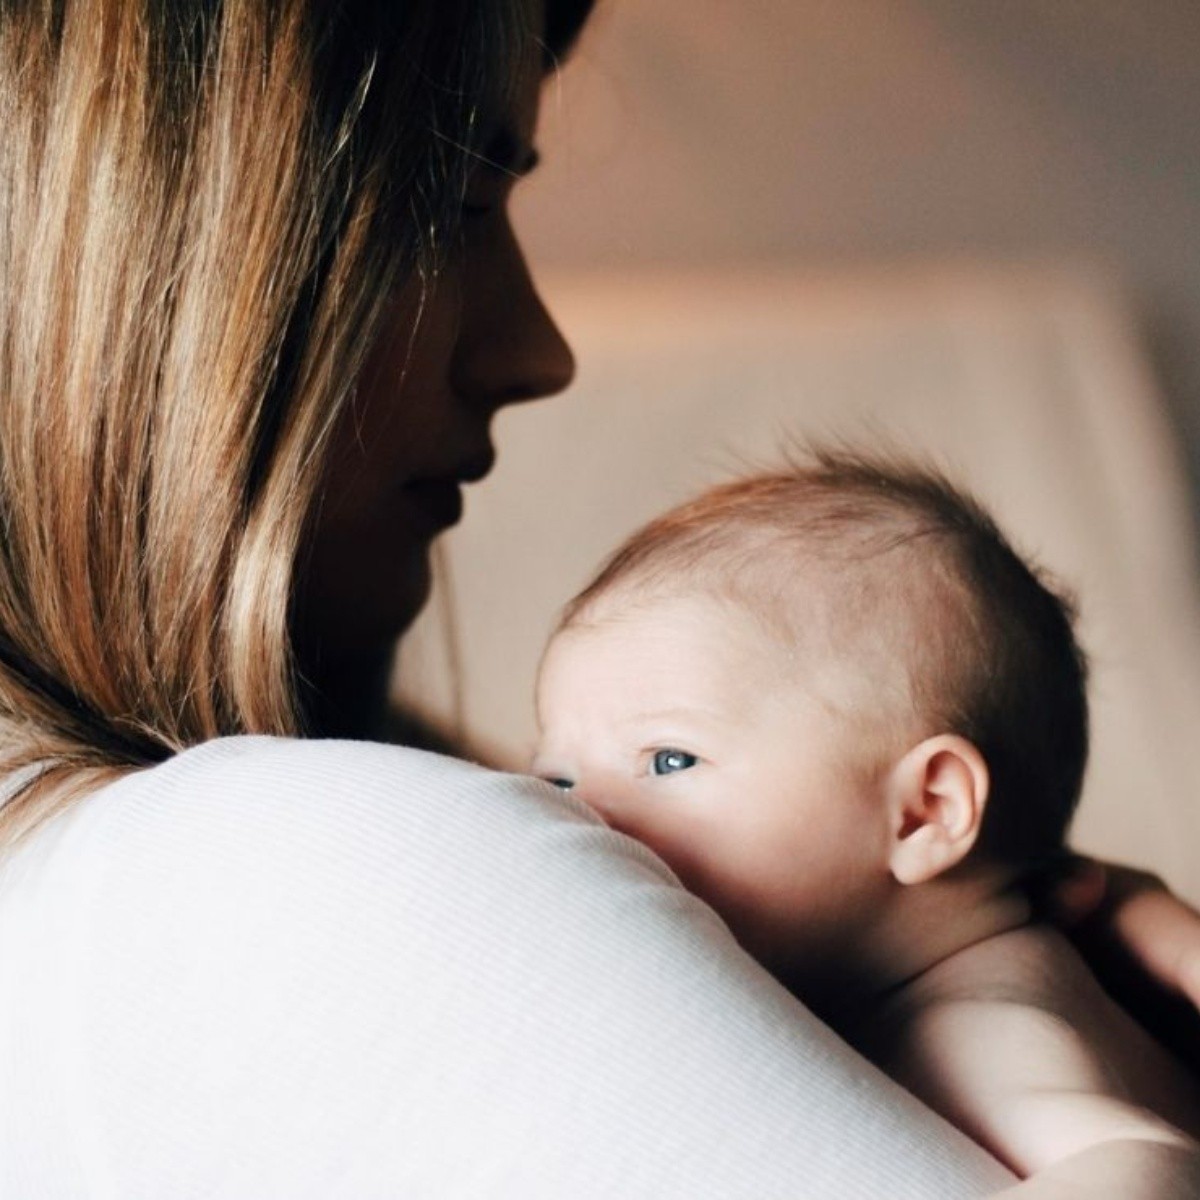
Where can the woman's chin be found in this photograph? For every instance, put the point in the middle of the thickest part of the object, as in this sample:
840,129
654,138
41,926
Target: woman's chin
357,614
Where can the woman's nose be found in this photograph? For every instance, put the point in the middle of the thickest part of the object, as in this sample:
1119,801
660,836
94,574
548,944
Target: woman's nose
509,347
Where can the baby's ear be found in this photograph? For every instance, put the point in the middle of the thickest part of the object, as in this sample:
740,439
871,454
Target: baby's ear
936,796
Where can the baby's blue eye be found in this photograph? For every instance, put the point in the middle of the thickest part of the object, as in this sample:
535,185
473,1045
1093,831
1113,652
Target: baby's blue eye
564,785
667,762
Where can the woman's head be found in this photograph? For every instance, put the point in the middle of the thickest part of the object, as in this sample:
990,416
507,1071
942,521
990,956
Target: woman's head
217,219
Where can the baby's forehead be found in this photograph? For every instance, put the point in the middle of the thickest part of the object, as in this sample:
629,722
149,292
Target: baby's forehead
785,597
840,629
687,652
632,613
702,638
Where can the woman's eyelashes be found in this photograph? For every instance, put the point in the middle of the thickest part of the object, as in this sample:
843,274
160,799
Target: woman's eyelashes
671,761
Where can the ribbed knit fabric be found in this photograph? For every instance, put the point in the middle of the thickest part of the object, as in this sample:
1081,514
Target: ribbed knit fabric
274,969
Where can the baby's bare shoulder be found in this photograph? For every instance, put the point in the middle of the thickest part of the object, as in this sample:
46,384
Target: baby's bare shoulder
1033,967
1021,995
1026,975
1021,1013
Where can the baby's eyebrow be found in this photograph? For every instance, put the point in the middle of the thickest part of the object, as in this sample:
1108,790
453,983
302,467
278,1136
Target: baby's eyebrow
674,714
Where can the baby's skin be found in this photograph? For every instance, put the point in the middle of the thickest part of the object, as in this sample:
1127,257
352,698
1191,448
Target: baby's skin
683,723
1012,1040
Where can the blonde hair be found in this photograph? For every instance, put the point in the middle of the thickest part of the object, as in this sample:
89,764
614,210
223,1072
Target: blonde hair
951,630
204,208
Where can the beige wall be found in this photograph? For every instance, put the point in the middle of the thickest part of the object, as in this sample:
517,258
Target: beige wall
816,132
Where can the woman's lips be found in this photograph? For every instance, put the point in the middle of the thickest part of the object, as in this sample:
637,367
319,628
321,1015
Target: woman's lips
437,500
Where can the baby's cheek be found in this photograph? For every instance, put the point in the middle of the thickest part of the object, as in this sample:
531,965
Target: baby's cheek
694,853
624,818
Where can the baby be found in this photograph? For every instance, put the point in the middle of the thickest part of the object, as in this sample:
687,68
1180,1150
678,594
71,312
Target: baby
850,717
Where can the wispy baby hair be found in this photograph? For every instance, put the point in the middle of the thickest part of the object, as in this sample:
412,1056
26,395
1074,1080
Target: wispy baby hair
941,618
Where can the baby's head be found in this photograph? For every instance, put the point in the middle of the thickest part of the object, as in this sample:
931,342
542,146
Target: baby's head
810,688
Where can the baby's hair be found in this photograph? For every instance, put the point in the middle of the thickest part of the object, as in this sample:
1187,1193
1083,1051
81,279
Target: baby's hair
985,639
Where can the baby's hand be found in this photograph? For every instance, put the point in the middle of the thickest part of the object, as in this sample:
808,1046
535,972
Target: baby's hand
1143,943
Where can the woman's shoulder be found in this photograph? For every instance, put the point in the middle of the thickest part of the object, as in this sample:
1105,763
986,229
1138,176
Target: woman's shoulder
249,780
304,968
300,836
279,823
303,812
289,943
297,767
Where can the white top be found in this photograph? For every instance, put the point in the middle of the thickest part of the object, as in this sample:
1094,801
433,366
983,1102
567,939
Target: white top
271,968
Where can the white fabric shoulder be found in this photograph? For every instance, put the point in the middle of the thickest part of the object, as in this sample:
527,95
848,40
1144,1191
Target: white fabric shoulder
329,969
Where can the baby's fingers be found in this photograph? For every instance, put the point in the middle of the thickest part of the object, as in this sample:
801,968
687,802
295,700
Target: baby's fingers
1158,929
1077,890
1143,943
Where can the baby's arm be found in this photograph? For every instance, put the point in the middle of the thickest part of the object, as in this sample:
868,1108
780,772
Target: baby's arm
1025,1084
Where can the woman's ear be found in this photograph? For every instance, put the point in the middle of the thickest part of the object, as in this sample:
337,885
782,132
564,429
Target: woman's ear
936,796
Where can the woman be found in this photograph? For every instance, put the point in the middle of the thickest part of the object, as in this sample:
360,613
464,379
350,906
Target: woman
260,302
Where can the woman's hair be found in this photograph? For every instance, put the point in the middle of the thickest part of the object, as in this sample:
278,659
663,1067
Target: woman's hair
204,208
945,626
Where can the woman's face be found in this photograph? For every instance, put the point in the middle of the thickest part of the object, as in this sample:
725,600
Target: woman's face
419,427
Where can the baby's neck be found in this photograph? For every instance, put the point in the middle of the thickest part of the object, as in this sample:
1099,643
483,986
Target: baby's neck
924,926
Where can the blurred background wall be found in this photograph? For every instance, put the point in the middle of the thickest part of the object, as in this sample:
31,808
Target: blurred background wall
819,133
